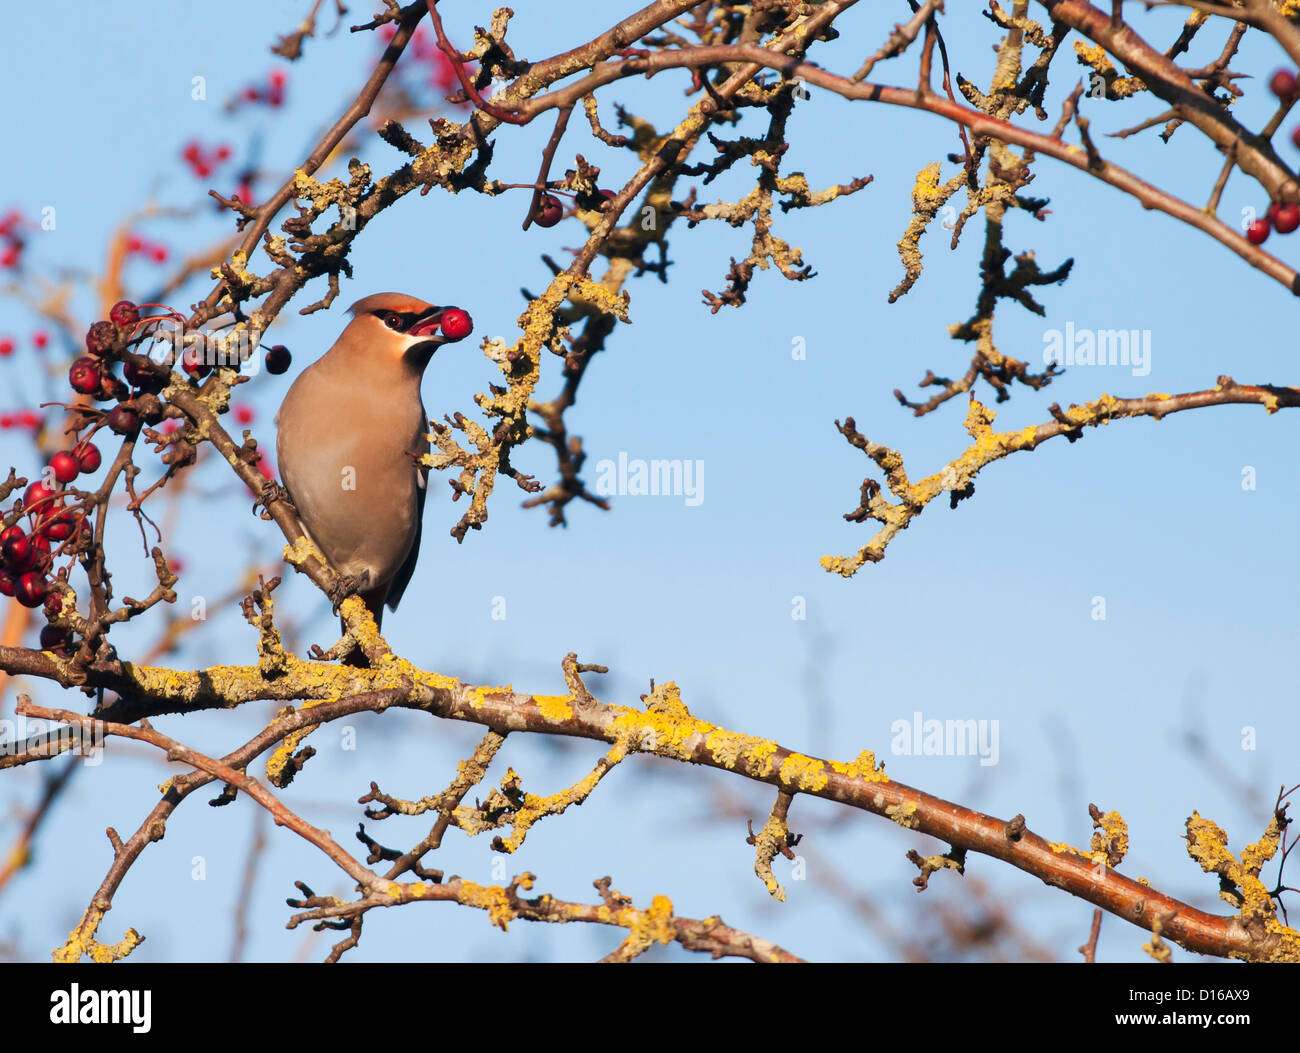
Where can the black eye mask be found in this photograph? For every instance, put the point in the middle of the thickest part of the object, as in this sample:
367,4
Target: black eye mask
410,318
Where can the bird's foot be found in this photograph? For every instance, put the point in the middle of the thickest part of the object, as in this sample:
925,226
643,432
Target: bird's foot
272,492
348,585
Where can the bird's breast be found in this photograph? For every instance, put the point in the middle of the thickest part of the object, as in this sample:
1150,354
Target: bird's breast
345,455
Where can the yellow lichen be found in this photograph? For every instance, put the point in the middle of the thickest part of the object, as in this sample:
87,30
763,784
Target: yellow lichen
555,707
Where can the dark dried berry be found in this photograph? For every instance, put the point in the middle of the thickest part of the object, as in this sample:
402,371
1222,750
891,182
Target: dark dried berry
278,360
100,337
57,639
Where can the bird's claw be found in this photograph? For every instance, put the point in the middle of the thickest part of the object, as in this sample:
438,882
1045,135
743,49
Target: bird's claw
271,493
347,585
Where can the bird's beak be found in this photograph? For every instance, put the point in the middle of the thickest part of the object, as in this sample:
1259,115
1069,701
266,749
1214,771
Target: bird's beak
427,325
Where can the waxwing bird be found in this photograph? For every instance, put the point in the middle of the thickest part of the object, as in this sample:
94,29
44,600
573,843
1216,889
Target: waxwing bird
350,433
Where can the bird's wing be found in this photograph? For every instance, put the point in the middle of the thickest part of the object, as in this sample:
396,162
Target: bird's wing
404,572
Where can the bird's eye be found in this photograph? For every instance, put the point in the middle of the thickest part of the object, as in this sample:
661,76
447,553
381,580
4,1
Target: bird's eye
393,321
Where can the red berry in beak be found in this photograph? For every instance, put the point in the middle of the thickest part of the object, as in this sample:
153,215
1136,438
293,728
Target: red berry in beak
456,324
278,360
84,376
31,589
124,313
88,457
1286,218
1258,231
548,211
65,466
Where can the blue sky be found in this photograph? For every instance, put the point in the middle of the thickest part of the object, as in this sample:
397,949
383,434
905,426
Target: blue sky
981,613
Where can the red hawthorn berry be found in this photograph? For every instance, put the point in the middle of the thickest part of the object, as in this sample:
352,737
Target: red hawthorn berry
134,244
1295,135
158,253
29,419
6,347
7,583
15,548
60,527
456,324
278,360
40,559
191,151
1286,218
1283,84
548,211
243,415
1258,231
40,340
7,421
85,376
223,152
38,498
88,457
124,313
31,589
193,364
123,421
9,258
65,465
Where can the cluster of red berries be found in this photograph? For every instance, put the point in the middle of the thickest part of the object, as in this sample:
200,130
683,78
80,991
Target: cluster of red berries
29,419
1284,217
204,162
92,373
138,246
425,56
27,556
11,238
40,341
272,93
